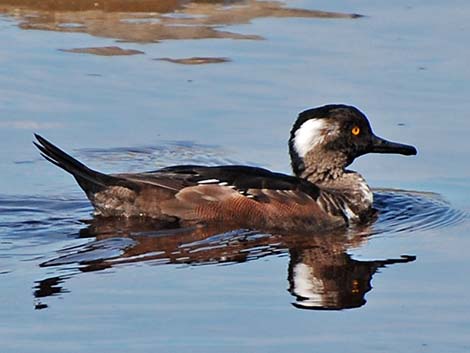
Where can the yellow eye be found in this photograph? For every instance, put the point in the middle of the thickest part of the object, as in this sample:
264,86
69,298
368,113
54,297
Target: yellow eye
355,130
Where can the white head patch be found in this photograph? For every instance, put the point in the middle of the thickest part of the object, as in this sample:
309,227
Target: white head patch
310,134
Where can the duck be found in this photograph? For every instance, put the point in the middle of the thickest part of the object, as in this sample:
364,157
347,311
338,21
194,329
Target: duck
321,193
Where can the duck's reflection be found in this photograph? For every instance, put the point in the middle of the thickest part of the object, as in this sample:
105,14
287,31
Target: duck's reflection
151,20
334,283
321,274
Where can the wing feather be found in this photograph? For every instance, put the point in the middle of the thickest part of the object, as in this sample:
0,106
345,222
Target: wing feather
268,208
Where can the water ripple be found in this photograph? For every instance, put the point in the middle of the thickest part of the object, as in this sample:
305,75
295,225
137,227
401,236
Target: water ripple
405,211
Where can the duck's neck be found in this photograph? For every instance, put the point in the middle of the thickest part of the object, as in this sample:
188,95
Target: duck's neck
320,167
342,192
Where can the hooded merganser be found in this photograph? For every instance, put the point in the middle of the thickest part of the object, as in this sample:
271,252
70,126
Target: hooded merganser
322,194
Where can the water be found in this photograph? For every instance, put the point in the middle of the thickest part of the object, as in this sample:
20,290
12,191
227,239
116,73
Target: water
217,83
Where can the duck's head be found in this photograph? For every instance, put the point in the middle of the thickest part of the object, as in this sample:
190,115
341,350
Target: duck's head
330,137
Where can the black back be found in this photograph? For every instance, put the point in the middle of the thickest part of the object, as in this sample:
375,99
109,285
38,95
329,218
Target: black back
242,177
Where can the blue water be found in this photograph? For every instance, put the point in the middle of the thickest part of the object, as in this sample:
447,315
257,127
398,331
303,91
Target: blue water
71,285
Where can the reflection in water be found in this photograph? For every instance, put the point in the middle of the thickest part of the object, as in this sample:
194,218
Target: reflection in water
337,282
321,274
104,51
150,20
48,287
195,60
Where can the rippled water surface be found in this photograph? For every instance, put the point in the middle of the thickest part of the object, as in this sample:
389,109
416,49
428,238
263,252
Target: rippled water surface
132,86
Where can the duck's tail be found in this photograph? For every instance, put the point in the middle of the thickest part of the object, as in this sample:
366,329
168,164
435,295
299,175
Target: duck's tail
89,180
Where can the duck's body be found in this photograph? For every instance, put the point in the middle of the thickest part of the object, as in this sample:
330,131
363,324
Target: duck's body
321,195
